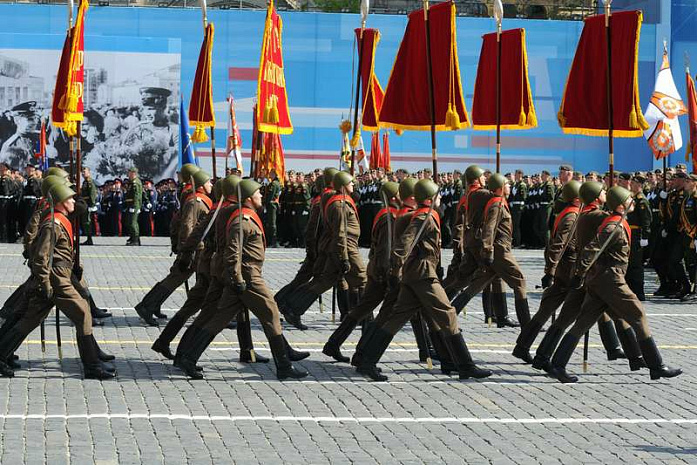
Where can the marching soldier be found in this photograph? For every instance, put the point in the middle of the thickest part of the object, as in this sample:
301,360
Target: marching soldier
243,259
602,265
640,223
89,196
134,202
420,289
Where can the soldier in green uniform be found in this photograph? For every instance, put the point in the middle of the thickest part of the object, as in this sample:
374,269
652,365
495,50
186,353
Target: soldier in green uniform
519,192
301,209
134,201
271,203
640,223
688,225
89,196
545,202
673,238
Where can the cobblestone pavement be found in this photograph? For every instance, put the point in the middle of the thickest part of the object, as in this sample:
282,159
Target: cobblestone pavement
240,413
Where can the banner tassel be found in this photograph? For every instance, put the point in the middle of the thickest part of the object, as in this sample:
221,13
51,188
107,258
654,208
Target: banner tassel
199,135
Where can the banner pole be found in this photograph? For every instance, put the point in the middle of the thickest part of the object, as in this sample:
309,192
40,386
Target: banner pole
431,97
498,96
357,100
610,109
215,168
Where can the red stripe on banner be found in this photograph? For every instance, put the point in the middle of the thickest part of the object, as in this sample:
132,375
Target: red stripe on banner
242,74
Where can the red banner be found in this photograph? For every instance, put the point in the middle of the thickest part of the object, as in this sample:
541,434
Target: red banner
273,114
692,121
584,105
517,109
68,102
372,92
201,112
406,103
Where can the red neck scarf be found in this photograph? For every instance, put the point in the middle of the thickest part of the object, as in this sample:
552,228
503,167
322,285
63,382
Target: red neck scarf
564,212
253,215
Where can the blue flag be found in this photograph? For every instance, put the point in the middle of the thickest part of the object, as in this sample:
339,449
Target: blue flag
186,148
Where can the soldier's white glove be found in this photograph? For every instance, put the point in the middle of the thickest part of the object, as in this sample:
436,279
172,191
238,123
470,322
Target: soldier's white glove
149,206
131,210
93,209
644,242
695,244
663,195
664,233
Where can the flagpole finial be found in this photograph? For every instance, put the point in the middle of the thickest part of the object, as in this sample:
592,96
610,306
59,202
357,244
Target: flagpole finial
665,46
498,13
365,9
70,13
204,11
686,58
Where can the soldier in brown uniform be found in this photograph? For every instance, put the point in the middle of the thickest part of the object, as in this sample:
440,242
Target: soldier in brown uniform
493,239
592,195
420,289
602,264
243,258
194,207
377,272
54,284
343,261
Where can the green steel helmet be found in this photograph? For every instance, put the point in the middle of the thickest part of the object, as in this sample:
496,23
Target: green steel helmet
60,193
589,191
329,175
200,178
50,181
571,191
425,189
495,181
247,188
341,179
616,196
188,171
472,173
406,188
55,171
389,189
218,189
230,185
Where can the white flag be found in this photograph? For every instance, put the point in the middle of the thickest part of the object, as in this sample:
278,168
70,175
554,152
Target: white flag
234,141
498,11
663,135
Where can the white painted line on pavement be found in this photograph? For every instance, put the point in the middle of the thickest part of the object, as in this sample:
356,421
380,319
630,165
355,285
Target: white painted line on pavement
235,349
331,419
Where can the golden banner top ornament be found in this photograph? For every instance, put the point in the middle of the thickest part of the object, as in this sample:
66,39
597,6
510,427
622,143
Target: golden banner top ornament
68,104
272,113
201,112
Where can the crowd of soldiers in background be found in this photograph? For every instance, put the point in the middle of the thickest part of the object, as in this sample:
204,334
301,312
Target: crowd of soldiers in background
666,235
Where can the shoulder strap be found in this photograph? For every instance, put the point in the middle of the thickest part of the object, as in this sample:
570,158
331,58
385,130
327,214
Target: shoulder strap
381,213
425,210
205,199
64,221
337,198
252,214
564,212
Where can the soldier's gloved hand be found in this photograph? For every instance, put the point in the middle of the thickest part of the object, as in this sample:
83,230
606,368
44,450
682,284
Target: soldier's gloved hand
664,233
663,195
488,257
345,266
644,242
25,254
46,291
576,282
77,272
547,280
148,206
184,261
239,287
131,210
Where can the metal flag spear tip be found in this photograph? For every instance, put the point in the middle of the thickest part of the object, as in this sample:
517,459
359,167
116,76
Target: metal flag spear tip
204,11
498,13
365,7
70,13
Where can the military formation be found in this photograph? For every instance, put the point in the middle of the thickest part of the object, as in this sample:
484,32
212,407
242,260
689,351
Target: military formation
598,234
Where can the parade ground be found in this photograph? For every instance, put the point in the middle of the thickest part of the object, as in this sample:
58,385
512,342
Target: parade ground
151,413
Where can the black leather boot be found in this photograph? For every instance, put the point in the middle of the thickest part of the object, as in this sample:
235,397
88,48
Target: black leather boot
522,311
343,302
185,344
93,367
96,311
103,356
162,348
486,305
463,298
294,355
145,307
631,348
527,336
546,348
333,346
655,362
462,358
499,307
186,361
88,241
244,337
608,336
372,352
561,359
8,344
284,368
365,337
447,365
423,341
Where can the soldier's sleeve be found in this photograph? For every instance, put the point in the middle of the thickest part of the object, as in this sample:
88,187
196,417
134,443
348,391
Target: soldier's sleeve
458,229
336,224
311,231
231,253
93,192
196,236
646,217
138,197
524,190
381,253
489,226
187,221
553,254
587,254
42,251
32,230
